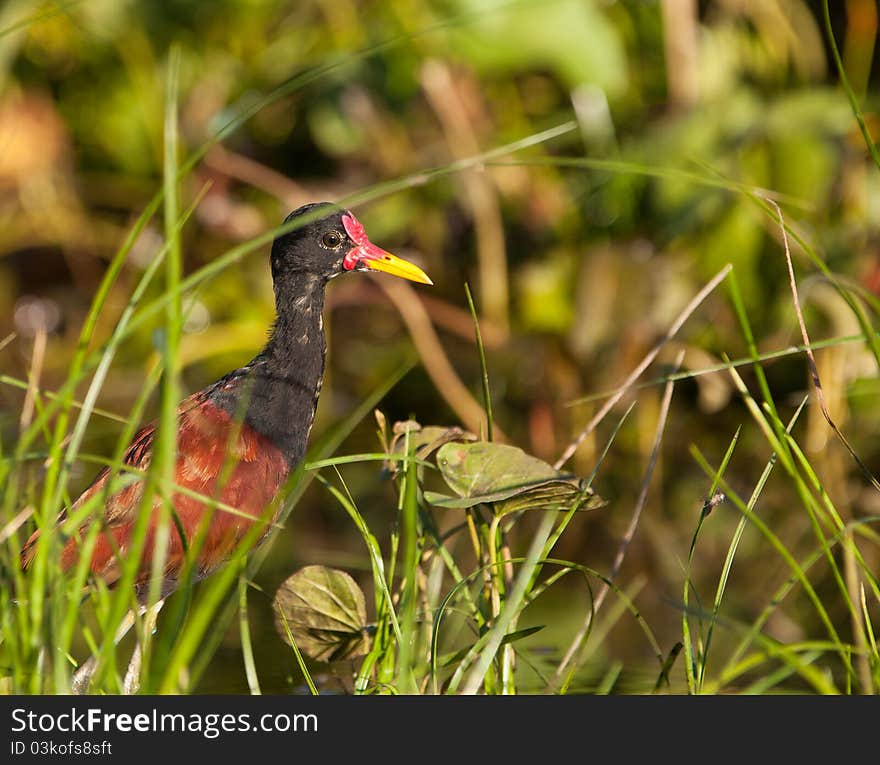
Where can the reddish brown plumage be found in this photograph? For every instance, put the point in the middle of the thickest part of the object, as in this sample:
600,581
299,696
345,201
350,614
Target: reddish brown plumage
210,445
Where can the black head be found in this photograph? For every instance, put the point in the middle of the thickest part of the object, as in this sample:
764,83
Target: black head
329,241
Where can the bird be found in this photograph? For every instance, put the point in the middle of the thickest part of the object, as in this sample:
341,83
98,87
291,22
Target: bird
239,438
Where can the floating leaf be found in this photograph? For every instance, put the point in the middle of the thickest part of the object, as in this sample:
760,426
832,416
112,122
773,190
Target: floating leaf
507,478
323,610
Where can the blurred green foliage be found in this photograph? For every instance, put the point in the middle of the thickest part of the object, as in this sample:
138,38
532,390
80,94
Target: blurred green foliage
578,268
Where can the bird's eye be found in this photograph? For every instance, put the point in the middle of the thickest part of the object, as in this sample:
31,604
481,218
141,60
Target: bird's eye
331,240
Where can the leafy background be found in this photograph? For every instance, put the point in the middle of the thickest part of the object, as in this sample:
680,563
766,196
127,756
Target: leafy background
580,250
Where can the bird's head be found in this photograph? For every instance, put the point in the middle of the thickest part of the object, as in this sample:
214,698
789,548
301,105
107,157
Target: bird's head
330,241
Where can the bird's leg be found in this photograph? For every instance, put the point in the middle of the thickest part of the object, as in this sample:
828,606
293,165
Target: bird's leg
132,681
82,678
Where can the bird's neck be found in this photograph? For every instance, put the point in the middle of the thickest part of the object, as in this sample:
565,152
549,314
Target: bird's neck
278,391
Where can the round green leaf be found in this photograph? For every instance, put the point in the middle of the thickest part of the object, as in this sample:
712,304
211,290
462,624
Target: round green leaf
507,478
322,609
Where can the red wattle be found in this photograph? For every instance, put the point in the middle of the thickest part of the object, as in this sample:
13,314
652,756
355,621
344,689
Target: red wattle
364,249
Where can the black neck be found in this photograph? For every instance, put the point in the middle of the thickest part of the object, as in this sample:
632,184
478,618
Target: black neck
278,391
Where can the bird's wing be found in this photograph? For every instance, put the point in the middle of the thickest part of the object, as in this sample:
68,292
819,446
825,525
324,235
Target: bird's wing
138,455
216,458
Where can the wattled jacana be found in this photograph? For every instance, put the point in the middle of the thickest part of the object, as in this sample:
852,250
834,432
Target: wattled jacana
239,438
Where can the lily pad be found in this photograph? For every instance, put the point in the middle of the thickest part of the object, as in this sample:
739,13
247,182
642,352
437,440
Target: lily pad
323,609
507,478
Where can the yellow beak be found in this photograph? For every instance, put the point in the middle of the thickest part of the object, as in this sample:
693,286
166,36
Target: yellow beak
379,260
